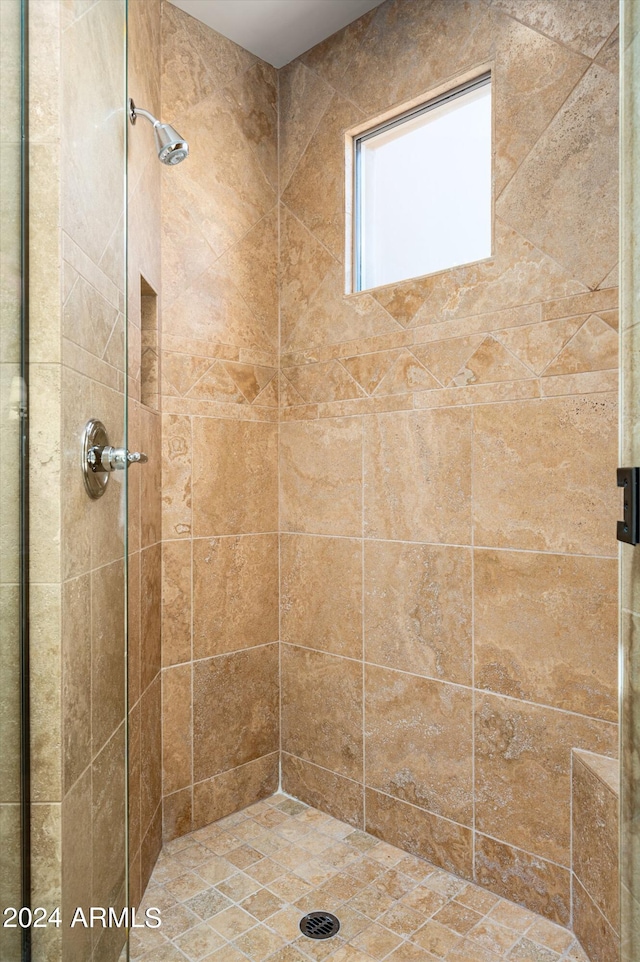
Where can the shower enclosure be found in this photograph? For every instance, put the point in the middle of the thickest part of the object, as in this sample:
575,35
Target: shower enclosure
80,577
630,455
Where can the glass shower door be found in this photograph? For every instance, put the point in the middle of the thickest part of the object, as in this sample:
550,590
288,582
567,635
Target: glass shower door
12,757
93,127
630,455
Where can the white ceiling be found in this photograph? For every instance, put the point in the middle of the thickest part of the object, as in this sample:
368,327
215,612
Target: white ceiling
277,31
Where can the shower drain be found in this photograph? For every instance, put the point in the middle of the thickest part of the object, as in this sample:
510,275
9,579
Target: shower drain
319,925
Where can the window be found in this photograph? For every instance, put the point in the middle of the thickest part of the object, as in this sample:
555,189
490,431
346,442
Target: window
423,188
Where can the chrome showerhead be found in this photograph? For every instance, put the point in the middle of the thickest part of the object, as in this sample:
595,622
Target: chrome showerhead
172,149
170,145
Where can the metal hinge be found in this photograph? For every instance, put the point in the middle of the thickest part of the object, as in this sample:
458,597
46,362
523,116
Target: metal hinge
629,527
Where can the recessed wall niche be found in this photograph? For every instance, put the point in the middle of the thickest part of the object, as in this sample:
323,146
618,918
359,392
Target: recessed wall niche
149,353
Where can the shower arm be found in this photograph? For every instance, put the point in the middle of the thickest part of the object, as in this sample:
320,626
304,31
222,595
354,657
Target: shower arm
135,112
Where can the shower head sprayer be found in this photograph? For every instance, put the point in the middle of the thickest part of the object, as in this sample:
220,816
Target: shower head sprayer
172,149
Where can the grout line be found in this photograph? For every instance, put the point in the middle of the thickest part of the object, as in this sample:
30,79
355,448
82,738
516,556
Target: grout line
362,628
452,684
234,768
473,658
571,880
279,422
191,630
224,654
441,544
221,537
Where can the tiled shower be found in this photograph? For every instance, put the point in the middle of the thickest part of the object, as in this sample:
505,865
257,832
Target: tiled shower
371,564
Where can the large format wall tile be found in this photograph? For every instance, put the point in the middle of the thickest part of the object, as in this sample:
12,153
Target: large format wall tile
92,177
223,178
578,24
322,709
10,706
595,826
304,264
417,614
107,653
315,192
545,629
234,477
542,475
542,886
235,709
196,60
150,477
235,593
176,476
418,742
76,680
176,602
107,837
321,601
177,814
253,96
253,264
533,76
567,188
340,797
418,476
523,772
150,614
150,754
45,668
224,794
321,477
437,839
303,99
596,935
177,734
76,866
456,35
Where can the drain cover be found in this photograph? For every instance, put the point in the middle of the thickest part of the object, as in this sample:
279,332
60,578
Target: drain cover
319,925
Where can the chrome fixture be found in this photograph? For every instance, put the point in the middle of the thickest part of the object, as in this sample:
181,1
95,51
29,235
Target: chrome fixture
170,146
99,458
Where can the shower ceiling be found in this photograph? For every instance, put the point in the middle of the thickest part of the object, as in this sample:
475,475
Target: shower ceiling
277,31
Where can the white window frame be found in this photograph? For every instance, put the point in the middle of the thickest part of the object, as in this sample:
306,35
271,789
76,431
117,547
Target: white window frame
357,136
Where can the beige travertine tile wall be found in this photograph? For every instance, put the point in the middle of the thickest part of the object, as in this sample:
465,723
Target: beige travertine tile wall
145,548
77,365
93,366
595,862
219,402
447,454
45,378
77,371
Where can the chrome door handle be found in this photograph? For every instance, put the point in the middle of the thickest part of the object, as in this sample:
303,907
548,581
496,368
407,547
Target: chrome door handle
116,459
136,457
99,458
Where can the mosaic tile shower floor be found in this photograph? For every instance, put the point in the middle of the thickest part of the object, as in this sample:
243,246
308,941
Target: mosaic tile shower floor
237,889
